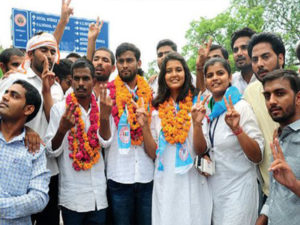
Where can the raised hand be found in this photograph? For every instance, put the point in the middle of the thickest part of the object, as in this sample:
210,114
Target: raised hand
66,11
141,113
282,172
67,121
105,102
94,29
198,110
232,117
152,78
202,54
48,77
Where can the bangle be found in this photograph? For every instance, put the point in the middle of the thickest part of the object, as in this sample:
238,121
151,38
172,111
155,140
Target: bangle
238,131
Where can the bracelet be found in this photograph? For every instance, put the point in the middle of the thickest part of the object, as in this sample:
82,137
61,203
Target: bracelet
238,131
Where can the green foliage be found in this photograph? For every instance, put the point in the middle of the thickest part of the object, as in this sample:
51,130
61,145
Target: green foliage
282,17
152,69
220,29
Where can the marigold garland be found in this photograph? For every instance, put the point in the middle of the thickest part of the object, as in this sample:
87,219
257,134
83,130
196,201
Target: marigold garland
84,146
176,125
121,96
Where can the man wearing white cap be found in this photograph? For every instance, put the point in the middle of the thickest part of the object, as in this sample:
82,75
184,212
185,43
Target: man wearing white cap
41,54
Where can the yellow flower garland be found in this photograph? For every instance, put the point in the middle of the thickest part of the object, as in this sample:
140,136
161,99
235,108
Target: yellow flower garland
176,126
123,97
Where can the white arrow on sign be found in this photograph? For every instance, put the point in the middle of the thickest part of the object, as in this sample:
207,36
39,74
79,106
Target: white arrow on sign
77,33
33,23
77,40
76,22
33,17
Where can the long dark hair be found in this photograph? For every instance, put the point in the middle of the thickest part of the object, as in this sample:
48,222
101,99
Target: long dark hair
163,90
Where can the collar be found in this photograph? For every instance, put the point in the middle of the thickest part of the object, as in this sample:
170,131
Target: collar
32,74
295,126
19,138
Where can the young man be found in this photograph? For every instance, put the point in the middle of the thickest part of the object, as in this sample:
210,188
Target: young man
204,54
129,168
42,53
163,48
239,46
267,53
10,60
73,57
63,74
24,177
102,58
282,95
74,125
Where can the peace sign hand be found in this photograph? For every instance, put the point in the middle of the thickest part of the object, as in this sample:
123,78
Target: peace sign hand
94,29
141,113
198,110
232,117
66,11
105,102
203,53
48,77
282,172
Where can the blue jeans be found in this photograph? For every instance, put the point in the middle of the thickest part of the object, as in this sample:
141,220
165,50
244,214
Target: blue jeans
83,218
130,203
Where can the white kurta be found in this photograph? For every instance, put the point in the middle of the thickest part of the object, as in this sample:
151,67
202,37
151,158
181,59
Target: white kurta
183,199
234,185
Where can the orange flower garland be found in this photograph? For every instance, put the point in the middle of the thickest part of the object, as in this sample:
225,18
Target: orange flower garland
176,129
124,97
85,147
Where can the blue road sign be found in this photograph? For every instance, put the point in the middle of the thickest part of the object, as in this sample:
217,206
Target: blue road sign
25,23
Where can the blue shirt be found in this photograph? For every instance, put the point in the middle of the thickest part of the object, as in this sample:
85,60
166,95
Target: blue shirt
283,205
24,181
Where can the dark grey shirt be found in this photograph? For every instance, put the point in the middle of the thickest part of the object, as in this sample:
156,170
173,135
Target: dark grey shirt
283,206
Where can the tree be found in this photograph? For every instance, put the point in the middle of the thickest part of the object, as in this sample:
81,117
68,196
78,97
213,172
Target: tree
152,69
282,17
220,29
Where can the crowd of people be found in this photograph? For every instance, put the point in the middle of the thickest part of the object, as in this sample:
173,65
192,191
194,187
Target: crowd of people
214,148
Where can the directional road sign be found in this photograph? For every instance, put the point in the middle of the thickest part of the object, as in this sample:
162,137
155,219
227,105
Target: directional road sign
26,23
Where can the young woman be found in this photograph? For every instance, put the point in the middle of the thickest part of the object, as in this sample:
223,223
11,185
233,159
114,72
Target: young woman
180,194
235,145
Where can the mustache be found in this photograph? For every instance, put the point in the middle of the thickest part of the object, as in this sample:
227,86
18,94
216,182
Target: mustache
260,71
80,89
275,108
241,58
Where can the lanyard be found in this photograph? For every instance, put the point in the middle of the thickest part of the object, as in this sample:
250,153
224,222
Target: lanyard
212,135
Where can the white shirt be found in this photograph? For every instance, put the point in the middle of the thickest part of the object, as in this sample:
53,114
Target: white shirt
79,191
154,85
239,82
134,167
39,123
234,185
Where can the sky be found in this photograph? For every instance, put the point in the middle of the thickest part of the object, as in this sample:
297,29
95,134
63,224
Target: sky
141,22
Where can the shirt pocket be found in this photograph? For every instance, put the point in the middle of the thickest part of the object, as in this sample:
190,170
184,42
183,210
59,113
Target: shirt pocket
20,170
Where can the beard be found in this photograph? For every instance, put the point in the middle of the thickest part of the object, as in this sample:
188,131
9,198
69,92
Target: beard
263,70
288,114
101,77
129,78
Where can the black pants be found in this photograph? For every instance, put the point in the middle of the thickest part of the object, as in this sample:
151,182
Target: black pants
50,215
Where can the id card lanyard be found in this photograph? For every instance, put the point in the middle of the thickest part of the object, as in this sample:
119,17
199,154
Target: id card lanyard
212,134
